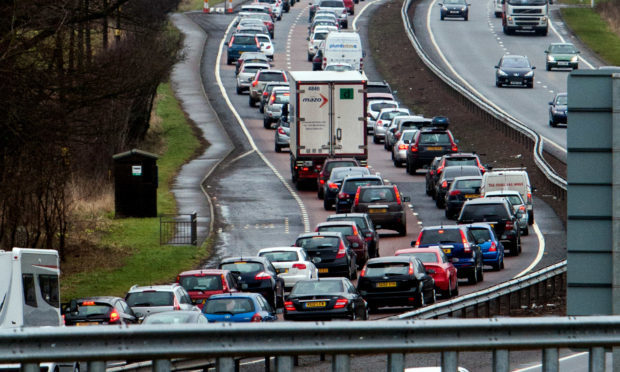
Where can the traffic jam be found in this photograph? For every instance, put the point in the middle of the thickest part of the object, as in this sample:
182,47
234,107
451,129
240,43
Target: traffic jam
324,119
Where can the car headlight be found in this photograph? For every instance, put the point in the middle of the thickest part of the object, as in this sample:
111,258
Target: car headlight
529,74
501,73
550,58
463,9
574,59
444,8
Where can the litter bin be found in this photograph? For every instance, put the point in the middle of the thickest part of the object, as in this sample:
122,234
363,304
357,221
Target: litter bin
135,184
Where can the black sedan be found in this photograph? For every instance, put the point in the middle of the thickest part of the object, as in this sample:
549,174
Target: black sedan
98,310
514,70
330,252
396,281
325,299
454,9
557,110
257,275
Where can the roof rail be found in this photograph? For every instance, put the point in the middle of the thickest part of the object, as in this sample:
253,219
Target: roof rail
509,169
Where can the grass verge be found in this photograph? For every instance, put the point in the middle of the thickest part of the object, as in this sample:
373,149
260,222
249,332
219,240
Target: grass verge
146,262
591,29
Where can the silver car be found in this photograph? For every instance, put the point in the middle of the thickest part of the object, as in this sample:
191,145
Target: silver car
399,150
515,198
145,300
384,119
401,123
373,109
273,106
247,73
282,135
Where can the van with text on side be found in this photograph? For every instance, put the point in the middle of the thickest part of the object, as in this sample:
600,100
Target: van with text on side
517,179
343,47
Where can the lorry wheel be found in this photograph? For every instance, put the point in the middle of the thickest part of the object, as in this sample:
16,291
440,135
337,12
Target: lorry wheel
530,220
309,57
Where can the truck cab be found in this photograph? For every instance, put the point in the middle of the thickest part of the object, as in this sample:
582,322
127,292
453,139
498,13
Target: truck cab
525,15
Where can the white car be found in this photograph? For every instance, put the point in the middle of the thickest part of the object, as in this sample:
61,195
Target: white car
514,197
292,264
338,67
314,41
373,109
247,73
266,45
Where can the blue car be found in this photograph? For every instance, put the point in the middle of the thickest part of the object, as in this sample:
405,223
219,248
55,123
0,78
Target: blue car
238,308
492,248
239,44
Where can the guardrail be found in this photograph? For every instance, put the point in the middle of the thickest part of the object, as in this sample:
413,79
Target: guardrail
226,341
520,131
496,300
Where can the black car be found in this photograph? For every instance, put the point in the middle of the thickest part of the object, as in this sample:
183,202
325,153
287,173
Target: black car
366,225
326,170
454,9
431,177
349,188
330,252
447,176
257,274
385,205
267,92
461,190
557,110
98,310
497,212
331,188
317,61
514,70
325,299
396,281
428,144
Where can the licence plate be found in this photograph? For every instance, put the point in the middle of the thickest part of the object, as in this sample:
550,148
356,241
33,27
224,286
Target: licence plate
471,196
434,148
86,323
454,11
447,250
563,63
516,82
323,270
377,210
281,271
527,27
386,284
315,304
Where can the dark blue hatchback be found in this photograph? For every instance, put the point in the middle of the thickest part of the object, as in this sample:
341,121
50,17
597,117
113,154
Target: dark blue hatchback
239,44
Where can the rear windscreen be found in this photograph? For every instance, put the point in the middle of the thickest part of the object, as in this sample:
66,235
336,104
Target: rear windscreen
388,268
482,212
377,195
332,4
317,287
378,89
483,234
228,306
244,40
277,76
351,186
148,299
461,171
468,184
96,309
201,283
243,267
360,221
345,230
435,138
318,242
441,236
335,164
423,256
281,256
382,105
461,161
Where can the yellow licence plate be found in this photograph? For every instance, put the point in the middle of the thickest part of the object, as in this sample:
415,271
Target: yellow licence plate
434,148
315,304
386,284
86,323
447,250
471,196
282,271
377,210
323,270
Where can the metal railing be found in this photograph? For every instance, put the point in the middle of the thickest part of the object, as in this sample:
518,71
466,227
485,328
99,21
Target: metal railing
178,229
226,341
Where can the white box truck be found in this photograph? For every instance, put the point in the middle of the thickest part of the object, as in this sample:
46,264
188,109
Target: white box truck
328,119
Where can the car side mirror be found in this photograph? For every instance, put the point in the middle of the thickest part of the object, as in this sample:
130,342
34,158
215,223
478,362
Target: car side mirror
546,52
307,39
496,66
551,103
412,243
406,199
533,67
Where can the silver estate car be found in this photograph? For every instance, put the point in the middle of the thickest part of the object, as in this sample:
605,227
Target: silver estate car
247,73
399,150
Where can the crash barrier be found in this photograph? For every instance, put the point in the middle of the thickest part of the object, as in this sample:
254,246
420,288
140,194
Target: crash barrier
491,113
97,345
178,229
527,292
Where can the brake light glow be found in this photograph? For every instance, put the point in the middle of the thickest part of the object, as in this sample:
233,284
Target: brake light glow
262,276
466,246
355,232
363,273
265,94
413,148
455,148
341,251
176,305
281,131
254,83
417,242
522,208
272,98
288,305
88,303
224,283
529,197
455,192
402,146
410,268
356,201
493,247
439,169
397,195
380,122
341,303
256,318
332,186
114,316
299,266
444,184
509,225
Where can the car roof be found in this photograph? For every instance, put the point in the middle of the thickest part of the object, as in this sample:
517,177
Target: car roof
336,223
244,34
272,71
329,234
388,109
390,259
430,248
280,249
480,225
107,299
384,101
443,227
250,55
492,200
460,154
255,64
203,271
234,295
462,178
366,177
160,287
244,258
503,192
344,215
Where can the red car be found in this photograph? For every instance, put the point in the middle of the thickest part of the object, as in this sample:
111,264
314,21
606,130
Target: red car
202,284
437,265
350,6
352,233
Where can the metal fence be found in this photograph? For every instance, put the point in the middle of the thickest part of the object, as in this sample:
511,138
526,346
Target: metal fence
226,341
178,229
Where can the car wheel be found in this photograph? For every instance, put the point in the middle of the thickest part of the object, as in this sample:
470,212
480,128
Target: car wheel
501,265
402,231
548,67
481,274
448,292
439,202
531,85
353,315
473,276
552,123
229,61
310,58
278,148
251,102
239,91
410,168
421,302
526,231
366,315
266,124
530,217
498,84
441,17
448,214
455,292
375,139
327,205
434,297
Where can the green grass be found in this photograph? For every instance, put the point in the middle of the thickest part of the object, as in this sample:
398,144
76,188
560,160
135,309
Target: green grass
147,262
190,5
594,32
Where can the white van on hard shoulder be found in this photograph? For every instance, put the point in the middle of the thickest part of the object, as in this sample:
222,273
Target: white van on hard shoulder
517,179
343,47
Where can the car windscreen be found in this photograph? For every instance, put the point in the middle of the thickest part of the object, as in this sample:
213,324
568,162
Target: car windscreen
244,40
272,76
150,298
319,287
481,233
381,105
515,63
252,69
371,195
318,242
435,138
461,161
513,199
468,184
243,266
201,283
263,39
280,256
228,306
423,256
169,318
345,230
562,100
378,89
441,236
392,114
563,49
483,212
387,269
350,186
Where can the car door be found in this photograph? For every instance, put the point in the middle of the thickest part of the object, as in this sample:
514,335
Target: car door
126,312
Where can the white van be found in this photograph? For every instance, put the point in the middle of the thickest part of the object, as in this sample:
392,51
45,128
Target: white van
498,8
515,179
343,47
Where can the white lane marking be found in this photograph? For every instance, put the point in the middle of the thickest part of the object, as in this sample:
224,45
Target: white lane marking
354,23
541,251
539,366
242,156
300,203
564,41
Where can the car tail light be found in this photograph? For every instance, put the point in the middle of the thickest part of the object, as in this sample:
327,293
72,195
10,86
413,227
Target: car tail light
178,278
288,305
332,186
482,169
455,148
466,245
509,225
455,192
176,305
305,169
114,316
402,146
439,169
88,303
299,266
341,250
380,122
64,320
341,303
272,98
355,232
356,201
413,148
444,184
417,242
493,247
431,172
529,197
264,93
254,83
343,195
224,283
262,276
397,195
344,11
281,131
410,268
256,318
363,272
